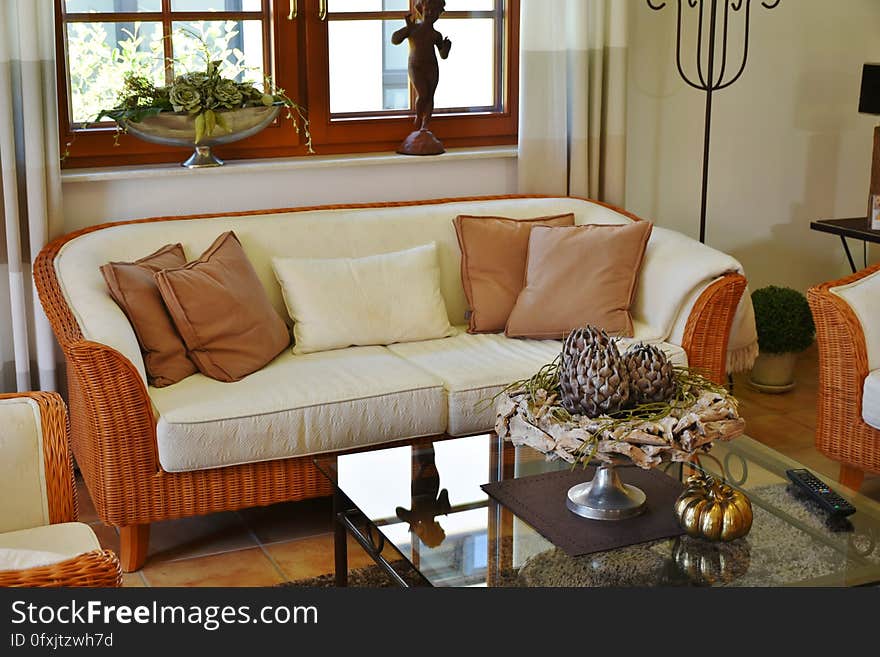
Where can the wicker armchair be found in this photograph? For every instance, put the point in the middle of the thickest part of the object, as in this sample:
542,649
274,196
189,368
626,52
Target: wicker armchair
39,510
846,358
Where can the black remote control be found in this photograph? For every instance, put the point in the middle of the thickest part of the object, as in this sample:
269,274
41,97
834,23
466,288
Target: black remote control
817,491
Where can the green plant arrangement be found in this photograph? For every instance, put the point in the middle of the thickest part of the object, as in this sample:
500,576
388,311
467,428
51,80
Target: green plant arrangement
100,54
784,321
206,95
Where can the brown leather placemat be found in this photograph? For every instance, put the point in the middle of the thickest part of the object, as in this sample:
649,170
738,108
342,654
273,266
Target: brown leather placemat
539,500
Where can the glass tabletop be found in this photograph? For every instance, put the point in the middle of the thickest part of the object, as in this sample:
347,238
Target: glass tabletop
424,502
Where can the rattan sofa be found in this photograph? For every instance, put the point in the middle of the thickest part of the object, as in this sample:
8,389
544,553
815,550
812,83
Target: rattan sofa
122,428
39,511
847,316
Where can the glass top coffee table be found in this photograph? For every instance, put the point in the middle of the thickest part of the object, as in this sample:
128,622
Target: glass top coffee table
420,513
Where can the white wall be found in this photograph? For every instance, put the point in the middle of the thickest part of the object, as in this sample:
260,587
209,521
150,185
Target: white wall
98,197
788,145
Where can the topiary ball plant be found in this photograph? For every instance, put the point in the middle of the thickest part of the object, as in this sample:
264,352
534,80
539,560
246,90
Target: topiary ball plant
784,321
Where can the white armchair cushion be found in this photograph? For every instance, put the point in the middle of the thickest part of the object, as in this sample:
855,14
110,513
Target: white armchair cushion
22,470
863,296
12,559
871,399
41,546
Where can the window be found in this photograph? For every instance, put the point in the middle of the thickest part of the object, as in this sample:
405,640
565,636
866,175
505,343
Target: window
358,88
334,56
98,41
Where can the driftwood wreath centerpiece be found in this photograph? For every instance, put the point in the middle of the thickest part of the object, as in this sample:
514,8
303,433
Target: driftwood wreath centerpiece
595,404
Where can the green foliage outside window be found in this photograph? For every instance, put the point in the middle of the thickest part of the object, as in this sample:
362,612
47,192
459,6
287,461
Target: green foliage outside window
99,62
208,77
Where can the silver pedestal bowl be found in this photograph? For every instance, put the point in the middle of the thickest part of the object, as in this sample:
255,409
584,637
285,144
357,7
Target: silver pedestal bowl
606,497
179,129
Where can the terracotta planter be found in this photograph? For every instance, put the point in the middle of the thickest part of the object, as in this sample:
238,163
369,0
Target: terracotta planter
773,373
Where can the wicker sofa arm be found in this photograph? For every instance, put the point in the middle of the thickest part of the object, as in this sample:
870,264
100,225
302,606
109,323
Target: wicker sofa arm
113,432
113,429
708,327
99,568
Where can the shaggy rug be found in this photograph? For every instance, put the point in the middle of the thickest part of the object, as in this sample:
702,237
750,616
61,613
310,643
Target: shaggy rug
374,577
369,577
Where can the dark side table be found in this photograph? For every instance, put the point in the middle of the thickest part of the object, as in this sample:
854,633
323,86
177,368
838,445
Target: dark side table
858,228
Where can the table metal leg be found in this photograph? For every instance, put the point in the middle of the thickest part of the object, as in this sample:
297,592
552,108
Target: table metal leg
373,543
340,539
849,257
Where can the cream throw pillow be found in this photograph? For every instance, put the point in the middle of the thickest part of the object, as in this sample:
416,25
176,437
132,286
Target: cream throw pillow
380,299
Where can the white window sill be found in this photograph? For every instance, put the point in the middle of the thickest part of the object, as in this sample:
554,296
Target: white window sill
108,174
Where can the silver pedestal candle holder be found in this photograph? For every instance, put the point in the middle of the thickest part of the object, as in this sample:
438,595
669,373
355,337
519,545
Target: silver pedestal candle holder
606,497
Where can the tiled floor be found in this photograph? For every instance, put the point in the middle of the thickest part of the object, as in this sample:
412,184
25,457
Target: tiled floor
267,546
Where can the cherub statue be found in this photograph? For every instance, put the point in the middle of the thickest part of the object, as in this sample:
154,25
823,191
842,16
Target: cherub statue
424,71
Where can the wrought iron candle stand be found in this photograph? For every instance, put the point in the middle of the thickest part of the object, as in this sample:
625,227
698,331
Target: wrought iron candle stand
710,80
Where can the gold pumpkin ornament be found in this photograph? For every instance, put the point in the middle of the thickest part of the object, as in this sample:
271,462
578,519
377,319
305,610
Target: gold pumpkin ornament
710,509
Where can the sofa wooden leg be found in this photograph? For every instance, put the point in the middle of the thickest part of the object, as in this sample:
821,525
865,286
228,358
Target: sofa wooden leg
134,541
851,477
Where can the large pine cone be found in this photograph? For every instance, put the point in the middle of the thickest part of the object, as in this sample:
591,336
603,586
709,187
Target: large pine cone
593,377
581,339
651,375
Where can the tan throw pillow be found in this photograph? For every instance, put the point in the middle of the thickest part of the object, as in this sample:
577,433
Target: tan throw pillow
577,276
493,264
380,299
133,287
222,312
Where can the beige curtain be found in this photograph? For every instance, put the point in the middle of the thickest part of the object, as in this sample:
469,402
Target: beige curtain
30,193
572,126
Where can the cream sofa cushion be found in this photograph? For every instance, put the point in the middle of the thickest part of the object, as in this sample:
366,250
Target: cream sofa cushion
340,233
863,296
22,469
374,300
871,399
66,540
474,368
297,406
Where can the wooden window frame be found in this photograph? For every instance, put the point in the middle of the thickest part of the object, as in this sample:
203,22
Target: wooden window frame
298,61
